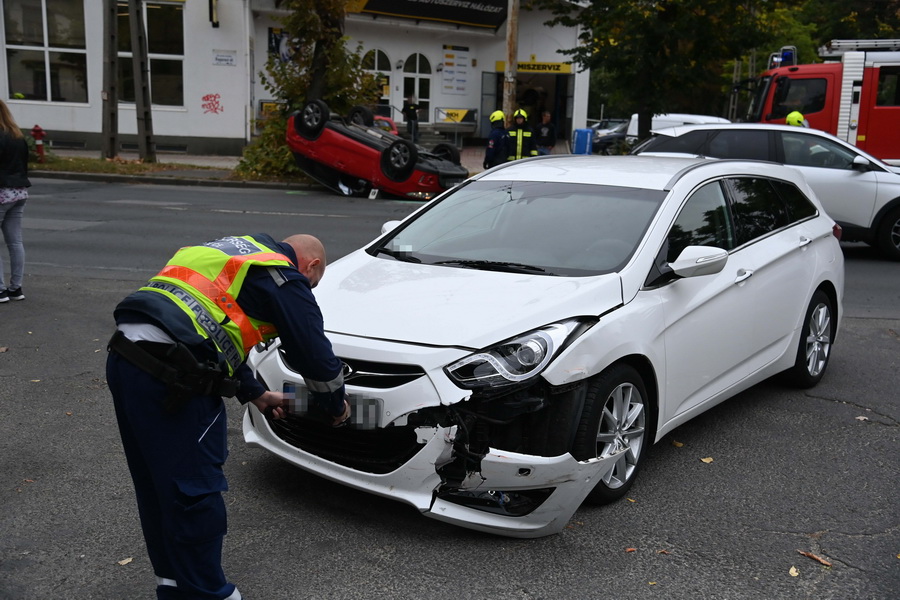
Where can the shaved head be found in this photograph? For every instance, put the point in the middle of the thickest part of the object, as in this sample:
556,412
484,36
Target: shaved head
310,256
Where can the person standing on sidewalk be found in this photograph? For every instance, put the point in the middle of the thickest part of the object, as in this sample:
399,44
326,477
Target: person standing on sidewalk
546,135
411,114
495,152
14,186
180,345
521,140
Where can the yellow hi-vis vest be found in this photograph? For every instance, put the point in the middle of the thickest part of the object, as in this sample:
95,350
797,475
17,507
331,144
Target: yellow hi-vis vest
518,136
204,281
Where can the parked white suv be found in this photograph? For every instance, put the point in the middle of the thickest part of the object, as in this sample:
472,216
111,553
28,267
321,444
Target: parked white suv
857,190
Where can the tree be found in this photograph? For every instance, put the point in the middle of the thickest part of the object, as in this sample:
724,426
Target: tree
663,55
319,66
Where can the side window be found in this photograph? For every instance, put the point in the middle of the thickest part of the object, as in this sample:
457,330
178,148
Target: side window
757,208
740,144
805,95
798,205
703,221
805,150
888,87
689,143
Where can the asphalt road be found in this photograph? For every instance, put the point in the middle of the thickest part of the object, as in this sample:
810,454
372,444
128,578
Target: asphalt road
813,471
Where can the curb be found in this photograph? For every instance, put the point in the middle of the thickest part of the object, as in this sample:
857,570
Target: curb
183,181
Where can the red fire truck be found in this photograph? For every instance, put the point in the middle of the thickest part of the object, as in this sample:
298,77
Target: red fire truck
855,95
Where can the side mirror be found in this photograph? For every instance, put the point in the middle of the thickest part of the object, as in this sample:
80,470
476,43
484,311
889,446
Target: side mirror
695,261
861,163
388,226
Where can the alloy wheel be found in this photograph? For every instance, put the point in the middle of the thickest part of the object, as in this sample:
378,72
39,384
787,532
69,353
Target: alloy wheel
622,429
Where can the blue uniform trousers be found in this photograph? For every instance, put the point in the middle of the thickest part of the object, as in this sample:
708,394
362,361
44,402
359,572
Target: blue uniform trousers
176,462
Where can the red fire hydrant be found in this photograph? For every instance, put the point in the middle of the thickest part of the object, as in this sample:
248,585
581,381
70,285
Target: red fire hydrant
38,134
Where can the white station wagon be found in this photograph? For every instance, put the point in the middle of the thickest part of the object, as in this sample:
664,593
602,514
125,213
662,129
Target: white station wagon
515,346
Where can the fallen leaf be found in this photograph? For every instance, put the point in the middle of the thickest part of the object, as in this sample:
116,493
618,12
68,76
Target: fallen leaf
68,413
651,583
631,499
794,571
125,561
707,460
862,418
630,549
814,557
28,480
677,444
3,348
663,552
35,380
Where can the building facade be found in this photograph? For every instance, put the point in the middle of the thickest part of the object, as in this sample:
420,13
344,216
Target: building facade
205,57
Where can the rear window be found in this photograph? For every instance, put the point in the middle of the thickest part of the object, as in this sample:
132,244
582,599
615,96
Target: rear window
758,209
798,205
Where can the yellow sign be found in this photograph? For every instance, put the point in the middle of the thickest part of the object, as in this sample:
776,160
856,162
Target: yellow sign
537,67
455,115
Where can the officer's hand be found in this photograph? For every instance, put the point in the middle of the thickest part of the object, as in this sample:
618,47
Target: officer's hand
271,404
342,419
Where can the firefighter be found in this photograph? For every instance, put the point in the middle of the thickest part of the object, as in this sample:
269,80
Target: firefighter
796,118
521,141
180,345
495,152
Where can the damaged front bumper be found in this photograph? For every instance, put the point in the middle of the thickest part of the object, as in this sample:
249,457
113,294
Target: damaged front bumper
512,494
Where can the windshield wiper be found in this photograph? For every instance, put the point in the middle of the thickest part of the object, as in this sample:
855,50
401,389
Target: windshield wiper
398,254
492,265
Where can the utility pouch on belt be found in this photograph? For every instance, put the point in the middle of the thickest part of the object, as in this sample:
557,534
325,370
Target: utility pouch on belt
176,366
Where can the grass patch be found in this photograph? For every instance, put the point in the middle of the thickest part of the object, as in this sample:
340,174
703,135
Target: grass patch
116,166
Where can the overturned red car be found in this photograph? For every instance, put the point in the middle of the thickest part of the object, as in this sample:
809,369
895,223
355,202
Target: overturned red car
352,157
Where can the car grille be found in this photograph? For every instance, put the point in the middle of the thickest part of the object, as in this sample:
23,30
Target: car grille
374,375
373,451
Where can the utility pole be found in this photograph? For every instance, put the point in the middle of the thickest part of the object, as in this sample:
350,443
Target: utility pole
512,64
110,93
140,62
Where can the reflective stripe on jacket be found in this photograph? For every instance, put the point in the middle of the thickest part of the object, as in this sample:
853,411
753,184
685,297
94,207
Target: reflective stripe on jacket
204,281
521,144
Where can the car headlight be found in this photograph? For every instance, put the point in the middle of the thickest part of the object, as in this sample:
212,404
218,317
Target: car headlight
512,361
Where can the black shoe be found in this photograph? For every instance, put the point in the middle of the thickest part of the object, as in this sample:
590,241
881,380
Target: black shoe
16,294
4,296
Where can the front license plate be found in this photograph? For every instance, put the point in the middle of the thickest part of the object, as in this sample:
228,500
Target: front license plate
365,410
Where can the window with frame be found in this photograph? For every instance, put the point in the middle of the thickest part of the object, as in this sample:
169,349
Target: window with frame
805,150
377,62
758,210
46,51
806,95
164,31
704,220
888,87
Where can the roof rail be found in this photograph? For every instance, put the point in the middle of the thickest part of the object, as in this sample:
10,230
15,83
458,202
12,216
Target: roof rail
837,48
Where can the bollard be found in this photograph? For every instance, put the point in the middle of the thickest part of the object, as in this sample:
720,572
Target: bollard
38,134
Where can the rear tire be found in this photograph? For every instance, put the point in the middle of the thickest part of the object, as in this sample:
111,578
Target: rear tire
310,120
399,159
447,152
617,417
814,350
361,115
889,235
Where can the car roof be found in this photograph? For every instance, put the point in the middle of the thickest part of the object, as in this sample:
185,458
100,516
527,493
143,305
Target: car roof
639,172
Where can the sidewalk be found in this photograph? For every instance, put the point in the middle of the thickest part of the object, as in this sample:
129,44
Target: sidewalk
217,169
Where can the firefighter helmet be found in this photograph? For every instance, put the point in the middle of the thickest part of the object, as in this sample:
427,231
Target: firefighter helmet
796,118
520,113
497,115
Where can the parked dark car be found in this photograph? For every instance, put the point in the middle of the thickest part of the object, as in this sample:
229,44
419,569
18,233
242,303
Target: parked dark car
353,157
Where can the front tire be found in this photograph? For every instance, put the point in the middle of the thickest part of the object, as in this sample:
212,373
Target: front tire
361,115
889,235
447,152
814,350
617,418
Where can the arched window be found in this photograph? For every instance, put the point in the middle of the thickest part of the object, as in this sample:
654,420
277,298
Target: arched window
417,83
377,62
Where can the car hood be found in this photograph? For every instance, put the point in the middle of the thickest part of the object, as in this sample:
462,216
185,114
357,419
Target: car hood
385,299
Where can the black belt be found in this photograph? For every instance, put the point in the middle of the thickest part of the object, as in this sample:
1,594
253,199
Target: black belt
176,366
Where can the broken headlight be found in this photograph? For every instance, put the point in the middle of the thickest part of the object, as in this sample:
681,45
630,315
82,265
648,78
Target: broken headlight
512,361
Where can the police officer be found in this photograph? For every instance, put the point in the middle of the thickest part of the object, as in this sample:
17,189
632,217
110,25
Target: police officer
180,345
520,143
495,152
797,119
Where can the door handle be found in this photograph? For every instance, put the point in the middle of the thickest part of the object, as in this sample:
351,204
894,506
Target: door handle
743,275
804,240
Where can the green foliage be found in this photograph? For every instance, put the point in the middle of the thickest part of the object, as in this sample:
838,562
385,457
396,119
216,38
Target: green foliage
321,67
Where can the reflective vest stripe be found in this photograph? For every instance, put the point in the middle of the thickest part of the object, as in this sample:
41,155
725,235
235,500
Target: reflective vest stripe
217,292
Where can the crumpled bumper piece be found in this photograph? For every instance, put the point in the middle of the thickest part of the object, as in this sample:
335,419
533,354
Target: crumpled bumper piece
417,481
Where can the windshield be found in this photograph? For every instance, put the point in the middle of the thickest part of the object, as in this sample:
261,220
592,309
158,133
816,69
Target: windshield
542,228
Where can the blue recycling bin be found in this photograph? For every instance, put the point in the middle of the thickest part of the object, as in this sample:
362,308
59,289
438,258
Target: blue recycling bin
582,141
